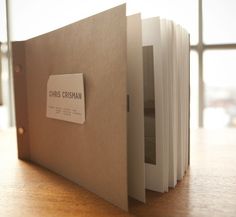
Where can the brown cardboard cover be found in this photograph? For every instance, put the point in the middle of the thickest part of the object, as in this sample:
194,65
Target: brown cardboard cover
94,154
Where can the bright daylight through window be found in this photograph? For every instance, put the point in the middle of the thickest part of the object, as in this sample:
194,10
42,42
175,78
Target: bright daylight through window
212,34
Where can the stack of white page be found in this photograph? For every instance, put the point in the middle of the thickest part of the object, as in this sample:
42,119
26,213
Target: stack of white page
158,104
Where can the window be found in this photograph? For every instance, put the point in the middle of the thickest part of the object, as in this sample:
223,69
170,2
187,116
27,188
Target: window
220,88
209,22
194,94
217,41
218,21
5,96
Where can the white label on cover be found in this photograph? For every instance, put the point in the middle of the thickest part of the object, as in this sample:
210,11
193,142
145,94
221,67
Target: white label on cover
65,98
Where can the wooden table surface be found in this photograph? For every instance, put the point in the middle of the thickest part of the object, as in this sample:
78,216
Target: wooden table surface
208,189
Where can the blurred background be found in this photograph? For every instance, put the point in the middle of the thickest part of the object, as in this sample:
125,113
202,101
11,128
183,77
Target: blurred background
213,46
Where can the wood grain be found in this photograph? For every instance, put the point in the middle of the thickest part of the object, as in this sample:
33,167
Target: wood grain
208,189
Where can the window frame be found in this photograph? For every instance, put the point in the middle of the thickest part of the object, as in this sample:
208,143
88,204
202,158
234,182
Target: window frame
200,48
10,101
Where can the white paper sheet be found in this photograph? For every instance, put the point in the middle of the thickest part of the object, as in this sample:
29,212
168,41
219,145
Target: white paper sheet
65,98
